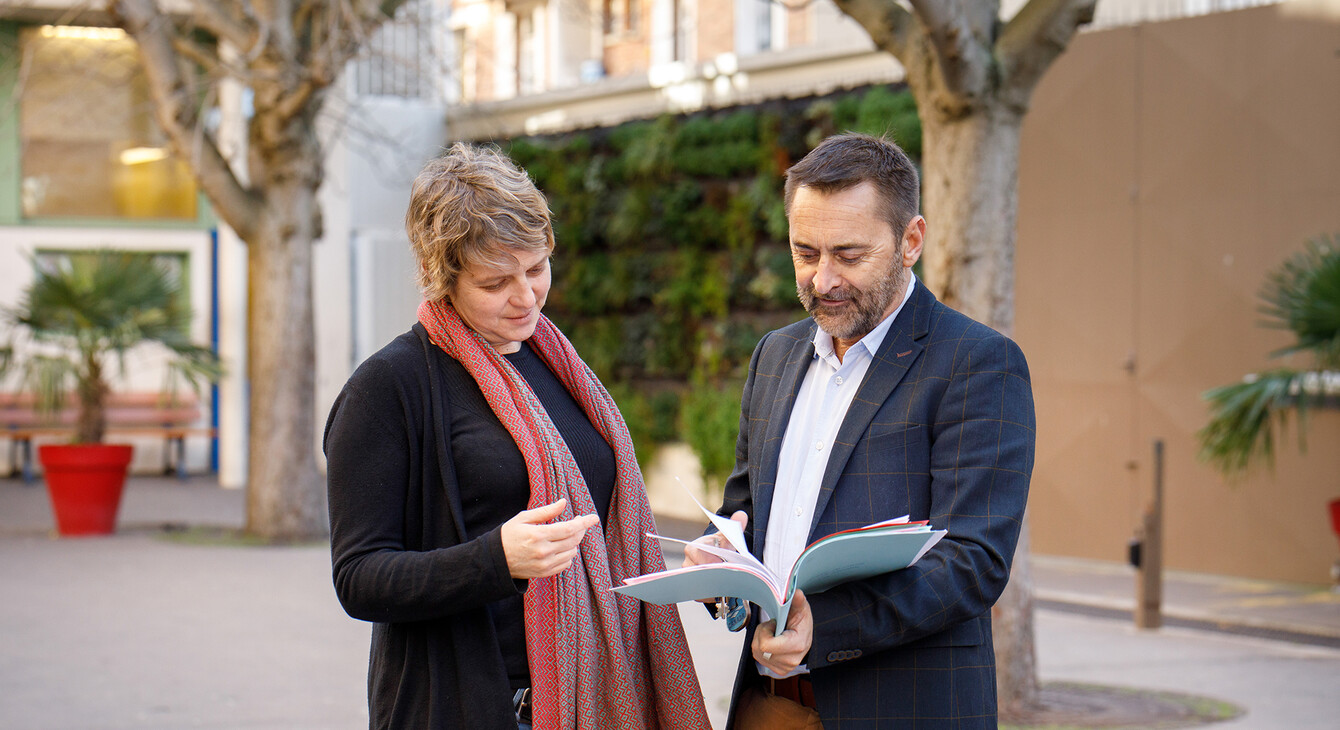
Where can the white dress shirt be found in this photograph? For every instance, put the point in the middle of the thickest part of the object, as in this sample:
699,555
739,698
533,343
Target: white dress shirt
826,392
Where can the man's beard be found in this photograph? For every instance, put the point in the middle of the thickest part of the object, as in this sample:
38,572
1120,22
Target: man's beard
864,310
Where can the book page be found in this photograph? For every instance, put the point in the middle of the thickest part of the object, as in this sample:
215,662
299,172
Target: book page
729,528
726,555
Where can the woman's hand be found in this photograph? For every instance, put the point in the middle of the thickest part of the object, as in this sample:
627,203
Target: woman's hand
536,548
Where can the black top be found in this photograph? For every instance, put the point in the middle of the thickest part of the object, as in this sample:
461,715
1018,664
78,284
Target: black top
493,478
400,553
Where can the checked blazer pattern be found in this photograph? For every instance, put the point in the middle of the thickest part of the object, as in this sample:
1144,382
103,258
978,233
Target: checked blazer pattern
942,428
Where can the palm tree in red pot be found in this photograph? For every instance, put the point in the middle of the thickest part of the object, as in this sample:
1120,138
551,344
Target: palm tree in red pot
82,313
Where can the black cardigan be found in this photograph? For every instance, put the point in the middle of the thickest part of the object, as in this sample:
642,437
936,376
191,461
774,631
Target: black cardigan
399,551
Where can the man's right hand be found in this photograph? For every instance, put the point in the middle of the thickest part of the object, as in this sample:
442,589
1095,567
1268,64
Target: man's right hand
694,556
536,548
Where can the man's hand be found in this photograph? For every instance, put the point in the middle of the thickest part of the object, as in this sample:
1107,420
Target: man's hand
783,653
694,556
535,549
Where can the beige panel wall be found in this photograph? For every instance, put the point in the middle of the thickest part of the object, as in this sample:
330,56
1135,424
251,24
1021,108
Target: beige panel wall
1164,169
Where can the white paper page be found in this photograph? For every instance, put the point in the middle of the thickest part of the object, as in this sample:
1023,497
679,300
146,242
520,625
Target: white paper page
728,527
729,556
930,544
894,521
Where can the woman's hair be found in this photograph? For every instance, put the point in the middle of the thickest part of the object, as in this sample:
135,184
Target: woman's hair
473,206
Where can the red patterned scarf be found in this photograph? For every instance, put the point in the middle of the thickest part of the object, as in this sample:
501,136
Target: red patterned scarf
597,659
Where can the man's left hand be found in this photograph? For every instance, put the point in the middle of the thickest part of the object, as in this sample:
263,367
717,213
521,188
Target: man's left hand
783,653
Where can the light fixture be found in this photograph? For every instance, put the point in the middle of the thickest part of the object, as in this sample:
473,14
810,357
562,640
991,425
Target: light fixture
139,155
82,32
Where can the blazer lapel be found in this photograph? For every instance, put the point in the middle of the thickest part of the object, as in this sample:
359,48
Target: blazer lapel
901,347
793,372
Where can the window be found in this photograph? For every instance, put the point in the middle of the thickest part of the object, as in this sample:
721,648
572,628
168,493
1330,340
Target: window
526,81
89,143
620,17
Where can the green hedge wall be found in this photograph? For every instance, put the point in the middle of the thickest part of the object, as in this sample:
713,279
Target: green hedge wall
672,256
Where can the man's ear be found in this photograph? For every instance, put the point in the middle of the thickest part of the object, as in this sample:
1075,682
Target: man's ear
914,237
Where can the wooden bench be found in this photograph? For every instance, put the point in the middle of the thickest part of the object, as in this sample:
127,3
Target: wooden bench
128,414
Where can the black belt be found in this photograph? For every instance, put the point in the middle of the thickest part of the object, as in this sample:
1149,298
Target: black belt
522,704
799,689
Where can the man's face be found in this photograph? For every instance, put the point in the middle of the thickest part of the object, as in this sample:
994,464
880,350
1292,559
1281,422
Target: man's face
850,266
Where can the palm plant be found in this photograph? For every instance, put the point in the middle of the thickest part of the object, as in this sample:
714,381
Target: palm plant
1303,296
85,308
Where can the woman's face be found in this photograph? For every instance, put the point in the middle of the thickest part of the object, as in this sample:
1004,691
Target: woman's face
503,304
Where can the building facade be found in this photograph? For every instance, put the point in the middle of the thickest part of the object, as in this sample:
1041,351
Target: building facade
83,166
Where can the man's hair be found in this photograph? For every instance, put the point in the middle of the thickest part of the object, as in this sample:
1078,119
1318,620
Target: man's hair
473,206
846,160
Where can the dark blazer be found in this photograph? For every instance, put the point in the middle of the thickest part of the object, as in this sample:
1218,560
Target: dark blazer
399,549
942,429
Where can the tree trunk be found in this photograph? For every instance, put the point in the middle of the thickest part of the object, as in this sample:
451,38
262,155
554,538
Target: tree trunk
970,201
972,77
285,497
91,423
286,494
1012,634
293,53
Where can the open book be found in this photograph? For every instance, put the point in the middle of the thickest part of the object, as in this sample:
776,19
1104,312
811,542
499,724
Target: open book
878,548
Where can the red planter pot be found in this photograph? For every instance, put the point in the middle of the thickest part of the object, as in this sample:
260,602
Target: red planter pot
1335,516
85,482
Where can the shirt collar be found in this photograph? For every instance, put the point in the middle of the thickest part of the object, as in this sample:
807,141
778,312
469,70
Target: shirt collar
823,342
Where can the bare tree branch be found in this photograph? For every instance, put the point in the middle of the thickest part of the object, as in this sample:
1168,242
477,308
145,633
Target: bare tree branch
276,18
293,103
886,21
214,17
207,58
1033,38
340,29
960,33
177,115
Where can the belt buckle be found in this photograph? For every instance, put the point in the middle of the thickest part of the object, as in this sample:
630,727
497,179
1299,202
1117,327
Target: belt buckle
521,704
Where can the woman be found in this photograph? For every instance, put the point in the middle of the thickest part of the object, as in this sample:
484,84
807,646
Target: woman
484,495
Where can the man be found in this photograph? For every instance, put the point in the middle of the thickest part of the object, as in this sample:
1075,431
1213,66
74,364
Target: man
884,402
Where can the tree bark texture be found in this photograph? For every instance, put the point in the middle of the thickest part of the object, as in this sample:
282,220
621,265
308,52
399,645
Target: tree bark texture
286,494
972,76
970,202
1012,634
288,53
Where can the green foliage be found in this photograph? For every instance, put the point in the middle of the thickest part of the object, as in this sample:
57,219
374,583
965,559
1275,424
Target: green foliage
883,112
1303,296
880,111
82,309
1245,416
652,418
637,414
711,422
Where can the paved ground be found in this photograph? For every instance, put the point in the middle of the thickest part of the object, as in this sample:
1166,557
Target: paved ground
141,631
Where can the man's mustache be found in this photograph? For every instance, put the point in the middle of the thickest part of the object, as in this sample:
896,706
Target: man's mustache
836,295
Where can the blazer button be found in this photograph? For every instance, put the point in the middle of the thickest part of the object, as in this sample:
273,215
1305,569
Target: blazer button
833,656
856,654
